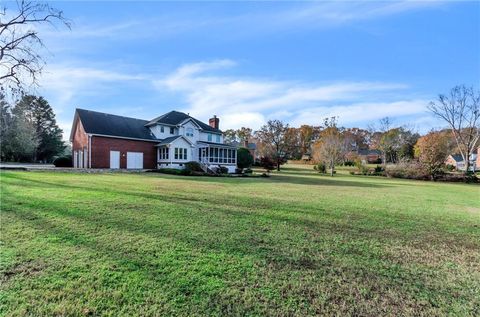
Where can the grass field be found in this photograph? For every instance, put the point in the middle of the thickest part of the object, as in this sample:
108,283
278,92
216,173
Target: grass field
294,244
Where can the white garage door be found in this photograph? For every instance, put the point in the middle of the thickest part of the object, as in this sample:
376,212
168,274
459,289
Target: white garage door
135,160
115,159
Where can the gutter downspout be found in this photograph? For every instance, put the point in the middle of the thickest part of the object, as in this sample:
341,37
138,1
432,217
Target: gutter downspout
89,151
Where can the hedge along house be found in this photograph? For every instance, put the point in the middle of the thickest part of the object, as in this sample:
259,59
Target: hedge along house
102,140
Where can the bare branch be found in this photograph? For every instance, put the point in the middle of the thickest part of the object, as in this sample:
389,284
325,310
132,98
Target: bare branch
19,42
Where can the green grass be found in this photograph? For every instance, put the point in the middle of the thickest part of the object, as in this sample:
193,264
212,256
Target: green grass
294,244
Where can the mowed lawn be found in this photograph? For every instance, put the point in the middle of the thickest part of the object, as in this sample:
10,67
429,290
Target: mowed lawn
295,244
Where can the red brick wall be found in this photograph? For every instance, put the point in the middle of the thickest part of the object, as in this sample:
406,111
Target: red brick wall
478,158
80,141
101,147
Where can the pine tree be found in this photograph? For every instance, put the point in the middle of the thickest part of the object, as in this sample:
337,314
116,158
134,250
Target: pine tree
38,112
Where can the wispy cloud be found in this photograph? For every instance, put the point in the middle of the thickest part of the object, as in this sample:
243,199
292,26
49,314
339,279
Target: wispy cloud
262,18
251,101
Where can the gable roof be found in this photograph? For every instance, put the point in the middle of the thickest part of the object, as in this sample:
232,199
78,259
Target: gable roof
176,117
169,140
112,125
457,157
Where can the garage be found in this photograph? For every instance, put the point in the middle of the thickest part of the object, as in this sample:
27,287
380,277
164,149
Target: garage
134,160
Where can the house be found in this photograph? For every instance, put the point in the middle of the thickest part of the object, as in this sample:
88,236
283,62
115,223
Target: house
457,161
250,146
369,156
102,140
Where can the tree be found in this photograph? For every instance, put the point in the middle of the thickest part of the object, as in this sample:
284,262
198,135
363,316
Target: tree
244,134
331,147
5,126
230,136
38,112
20,140
244,158
461,111
272,135
20,44
293,143
267,163
431,151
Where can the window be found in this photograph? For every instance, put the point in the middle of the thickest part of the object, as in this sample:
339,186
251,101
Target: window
189,132
180,153
162,129
218,138
172,130
164,153
209,137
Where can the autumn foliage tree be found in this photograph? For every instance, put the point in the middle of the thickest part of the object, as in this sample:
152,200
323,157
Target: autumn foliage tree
331,147
431,151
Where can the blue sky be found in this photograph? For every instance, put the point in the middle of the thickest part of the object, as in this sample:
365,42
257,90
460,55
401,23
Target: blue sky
249,62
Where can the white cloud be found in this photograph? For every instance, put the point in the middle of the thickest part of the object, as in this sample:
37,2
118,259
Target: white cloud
252,101
63,83
361,112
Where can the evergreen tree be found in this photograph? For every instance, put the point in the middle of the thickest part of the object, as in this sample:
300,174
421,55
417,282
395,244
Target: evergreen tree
38,112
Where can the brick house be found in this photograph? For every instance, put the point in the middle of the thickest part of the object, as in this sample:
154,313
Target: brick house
369,156
457,161
102,140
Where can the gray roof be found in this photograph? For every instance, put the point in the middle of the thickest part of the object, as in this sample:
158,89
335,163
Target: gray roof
108,124
457,157
251,146
218,144
176,117
168,140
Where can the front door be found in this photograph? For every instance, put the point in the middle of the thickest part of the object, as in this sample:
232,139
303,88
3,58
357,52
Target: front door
114,159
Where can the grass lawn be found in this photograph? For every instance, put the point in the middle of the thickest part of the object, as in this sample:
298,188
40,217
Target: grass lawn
294,244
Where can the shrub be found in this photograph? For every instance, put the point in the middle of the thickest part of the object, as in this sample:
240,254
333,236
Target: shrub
267,163
222,170
378,169
248,171
63,161
411,170
193,166
320,167
244,158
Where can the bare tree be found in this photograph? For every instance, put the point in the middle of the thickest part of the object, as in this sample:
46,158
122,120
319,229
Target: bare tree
331,147
20,44
461,111
272,137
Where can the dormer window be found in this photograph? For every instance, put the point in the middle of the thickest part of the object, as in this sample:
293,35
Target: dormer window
189,132
162,129
172,130
218,138
209,137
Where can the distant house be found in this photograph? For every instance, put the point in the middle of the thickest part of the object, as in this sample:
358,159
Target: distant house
369,156
102,140
457,161
250,146
306,158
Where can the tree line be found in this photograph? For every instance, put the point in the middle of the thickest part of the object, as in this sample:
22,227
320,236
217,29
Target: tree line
29,131
331,144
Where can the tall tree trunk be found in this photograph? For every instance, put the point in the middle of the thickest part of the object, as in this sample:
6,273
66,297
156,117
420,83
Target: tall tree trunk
467,164
332,167
278,165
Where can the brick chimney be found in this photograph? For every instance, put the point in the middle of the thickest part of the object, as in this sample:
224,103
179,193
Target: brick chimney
214,122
